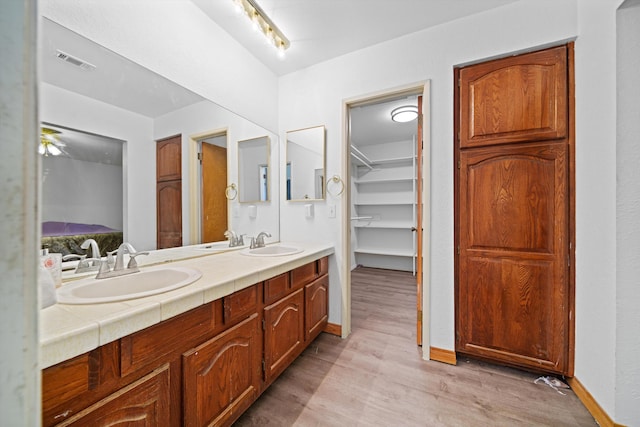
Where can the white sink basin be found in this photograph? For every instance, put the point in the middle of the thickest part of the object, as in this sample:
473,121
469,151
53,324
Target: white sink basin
272,251
136,285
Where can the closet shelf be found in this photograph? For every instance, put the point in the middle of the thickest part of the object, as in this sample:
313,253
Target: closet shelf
384,203
401,225
386,252
384,180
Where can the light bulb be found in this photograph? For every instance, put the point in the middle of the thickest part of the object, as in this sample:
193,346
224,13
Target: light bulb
55,151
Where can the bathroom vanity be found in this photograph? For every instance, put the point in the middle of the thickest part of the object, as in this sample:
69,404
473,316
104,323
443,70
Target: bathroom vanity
203,365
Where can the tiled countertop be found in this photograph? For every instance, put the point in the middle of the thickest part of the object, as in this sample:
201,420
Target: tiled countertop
67,331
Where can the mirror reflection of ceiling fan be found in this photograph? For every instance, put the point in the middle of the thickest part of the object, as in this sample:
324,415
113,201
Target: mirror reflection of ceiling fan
50,143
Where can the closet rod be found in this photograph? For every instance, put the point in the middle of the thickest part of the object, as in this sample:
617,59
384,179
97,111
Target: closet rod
364,162
361,154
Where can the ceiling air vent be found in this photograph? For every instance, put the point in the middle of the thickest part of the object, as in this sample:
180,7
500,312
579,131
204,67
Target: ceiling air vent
75,61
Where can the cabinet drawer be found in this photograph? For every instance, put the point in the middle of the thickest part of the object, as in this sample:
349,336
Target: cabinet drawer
323,266
276,288
154,343
240,304
68,380
303,275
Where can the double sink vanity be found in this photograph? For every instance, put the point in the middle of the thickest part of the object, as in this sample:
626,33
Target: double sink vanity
140,348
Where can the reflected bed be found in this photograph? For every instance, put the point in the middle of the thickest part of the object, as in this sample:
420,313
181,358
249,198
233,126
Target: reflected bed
66,237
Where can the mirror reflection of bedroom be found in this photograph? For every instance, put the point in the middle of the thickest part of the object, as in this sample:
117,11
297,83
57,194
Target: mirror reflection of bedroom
82,190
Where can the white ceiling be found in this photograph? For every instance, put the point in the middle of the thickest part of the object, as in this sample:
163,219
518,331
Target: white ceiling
318,30
323,29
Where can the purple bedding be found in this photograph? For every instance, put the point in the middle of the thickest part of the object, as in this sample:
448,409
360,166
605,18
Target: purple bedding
57,228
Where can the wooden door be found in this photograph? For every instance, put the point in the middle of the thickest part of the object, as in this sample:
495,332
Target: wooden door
214,201
222,376
513,293
169,192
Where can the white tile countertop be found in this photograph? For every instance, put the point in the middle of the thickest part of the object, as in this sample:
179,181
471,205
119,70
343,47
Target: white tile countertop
67,331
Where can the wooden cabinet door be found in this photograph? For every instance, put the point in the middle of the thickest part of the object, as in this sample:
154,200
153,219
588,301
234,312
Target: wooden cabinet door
169,159
221,377
513,301
143,403
514,296
520,98
284,333
169,216
316,313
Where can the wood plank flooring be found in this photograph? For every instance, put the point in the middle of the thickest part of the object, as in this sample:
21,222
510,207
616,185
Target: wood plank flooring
376,377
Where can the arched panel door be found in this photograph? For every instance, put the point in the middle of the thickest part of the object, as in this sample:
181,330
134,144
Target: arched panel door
514,210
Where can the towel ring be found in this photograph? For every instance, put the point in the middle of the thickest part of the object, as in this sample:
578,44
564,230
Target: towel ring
231,192
336,179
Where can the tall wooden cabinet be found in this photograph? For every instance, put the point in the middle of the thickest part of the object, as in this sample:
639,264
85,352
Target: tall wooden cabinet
514,296
169,192
204,367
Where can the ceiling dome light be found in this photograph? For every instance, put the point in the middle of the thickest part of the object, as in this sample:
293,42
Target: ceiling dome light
404,114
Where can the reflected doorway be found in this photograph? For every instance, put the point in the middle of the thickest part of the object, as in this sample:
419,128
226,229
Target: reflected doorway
213,167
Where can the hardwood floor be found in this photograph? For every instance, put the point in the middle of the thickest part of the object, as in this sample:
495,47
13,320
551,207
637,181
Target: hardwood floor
376,377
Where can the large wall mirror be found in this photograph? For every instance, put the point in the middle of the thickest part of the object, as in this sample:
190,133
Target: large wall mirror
305,177
94,91
253,170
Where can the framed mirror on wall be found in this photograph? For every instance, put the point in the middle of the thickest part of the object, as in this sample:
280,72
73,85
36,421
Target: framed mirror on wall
254,170
305,163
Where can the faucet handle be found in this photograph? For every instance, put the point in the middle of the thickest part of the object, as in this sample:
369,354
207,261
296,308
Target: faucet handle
110,257
132,259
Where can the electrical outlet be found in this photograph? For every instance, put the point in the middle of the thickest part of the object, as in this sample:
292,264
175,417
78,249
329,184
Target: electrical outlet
331,211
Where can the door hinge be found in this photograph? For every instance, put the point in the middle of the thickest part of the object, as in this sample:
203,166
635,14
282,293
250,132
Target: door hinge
264,325
458,250
459,164
264,366
419,315
568,260
199,155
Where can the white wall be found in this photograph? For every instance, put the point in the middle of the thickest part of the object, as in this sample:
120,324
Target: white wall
19,223
81,192
156,34
204,117
315,95
64,108
627,214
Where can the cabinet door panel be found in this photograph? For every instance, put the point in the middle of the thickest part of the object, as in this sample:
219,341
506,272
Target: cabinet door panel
514,300
284,333
222,376
316,303
522,98
169,214
169,159
143,403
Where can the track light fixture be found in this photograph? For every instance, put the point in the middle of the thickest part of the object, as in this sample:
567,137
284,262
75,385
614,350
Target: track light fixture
263,24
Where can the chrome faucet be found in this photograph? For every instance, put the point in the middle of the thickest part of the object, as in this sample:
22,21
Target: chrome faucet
90,243
119,268
86,264
258,241
234,239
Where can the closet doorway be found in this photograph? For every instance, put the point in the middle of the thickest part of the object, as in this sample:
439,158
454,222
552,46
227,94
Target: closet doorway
385,187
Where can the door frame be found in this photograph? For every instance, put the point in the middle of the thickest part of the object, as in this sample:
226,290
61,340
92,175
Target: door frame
195,173
422,88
